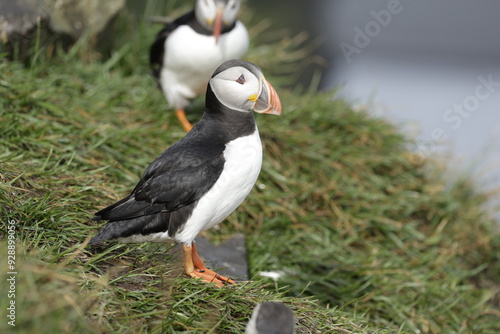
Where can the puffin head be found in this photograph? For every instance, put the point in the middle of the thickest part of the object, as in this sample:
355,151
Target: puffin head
215,15
241,86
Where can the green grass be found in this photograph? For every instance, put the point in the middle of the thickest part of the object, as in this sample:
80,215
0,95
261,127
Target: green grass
369,237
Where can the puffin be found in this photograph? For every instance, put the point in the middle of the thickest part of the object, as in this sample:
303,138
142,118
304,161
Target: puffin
188,50
271,318
202,178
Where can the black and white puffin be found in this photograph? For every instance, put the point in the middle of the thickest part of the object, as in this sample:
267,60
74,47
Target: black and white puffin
188,50
201,179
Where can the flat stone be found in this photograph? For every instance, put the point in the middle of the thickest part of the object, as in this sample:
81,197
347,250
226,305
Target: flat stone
229,259
231,256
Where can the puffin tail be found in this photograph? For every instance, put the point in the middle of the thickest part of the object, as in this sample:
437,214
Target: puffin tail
110,231
158,222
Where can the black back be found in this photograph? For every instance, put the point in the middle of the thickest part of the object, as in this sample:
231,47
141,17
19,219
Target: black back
173,183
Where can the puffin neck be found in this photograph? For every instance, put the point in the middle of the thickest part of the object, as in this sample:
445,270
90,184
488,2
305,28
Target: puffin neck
234,123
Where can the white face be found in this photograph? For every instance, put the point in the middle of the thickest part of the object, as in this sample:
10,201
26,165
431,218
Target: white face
206,11
237,88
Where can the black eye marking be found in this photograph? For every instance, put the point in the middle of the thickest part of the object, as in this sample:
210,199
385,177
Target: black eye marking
241,79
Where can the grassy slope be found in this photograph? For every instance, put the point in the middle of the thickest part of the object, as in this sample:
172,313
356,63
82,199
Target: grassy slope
342,209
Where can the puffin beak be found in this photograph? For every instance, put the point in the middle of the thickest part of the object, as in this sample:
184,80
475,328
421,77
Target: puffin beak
218,25
268,102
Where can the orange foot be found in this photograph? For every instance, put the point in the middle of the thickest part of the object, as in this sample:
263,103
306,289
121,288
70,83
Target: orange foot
181,116
194,267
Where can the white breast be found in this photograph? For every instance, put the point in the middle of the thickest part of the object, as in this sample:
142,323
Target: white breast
190,60
242,167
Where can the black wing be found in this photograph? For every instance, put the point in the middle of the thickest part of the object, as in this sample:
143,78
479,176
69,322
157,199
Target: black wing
165,192
178,177
157,50
169,188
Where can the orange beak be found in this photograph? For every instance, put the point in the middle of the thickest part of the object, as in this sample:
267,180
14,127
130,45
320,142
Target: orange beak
218,25
268,102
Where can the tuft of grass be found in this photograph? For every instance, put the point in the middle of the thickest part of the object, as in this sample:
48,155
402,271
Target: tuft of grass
366,238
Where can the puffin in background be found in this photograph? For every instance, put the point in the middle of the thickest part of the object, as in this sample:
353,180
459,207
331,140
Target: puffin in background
188,50
271,318
201,179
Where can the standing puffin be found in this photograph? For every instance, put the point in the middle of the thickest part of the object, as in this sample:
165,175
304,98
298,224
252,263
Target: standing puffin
188,50
201,179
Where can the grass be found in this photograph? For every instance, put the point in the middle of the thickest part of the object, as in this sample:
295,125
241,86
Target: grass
368,236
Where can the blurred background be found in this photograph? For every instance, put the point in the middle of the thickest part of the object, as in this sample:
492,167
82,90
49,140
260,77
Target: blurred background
432,67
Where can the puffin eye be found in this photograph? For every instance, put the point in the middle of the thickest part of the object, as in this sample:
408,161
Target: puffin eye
241,79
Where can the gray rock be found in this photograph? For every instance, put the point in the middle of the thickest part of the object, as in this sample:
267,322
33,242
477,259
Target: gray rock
228,259
71,17
231,256
19,17
75,16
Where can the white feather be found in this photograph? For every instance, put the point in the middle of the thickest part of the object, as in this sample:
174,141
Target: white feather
242,167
